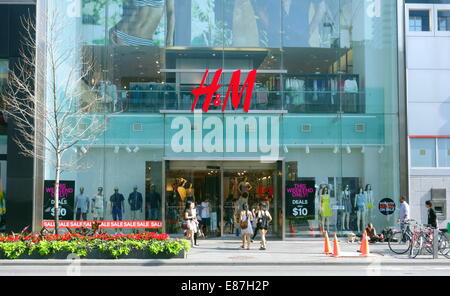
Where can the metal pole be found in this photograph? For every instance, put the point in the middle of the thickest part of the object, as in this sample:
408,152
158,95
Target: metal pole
435,243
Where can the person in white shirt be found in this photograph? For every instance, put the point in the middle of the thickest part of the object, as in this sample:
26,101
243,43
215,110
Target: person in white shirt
404,212
205,215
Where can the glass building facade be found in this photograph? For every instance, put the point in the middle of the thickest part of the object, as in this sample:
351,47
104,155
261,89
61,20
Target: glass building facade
319,142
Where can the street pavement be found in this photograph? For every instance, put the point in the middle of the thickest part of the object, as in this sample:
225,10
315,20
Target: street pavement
225,257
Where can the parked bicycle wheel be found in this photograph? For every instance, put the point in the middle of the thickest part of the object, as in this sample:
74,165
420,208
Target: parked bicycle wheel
444,245
399,243
417,246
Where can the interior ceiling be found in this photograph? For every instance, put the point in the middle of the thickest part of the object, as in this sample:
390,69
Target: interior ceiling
133,63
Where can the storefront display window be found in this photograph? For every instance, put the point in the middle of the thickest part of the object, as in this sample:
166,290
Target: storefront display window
319,144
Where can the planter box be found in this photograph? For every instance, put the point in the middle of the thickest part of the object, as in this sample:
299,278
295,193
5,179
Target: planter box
96,254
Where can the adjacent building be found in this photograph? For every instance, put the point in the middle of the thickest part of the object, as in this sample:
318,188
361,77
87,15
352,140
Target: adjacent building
16,171
427,36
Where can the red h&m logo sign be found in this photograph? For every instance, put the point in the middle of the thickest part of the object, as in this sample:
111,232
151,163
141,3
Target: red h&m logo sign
236,94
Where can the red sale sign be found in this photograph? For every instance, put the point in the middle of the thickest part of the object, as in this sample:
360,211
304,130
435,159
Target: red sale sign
104,224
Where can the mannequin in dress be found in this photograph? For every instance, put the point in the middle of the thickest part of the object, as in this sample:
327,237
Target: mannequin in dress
360,206
325,209
347,208
369,201
317,207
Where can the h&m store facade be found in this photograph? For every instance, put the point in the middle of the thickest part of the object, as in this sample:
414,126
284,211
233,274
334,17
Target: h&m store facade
319,143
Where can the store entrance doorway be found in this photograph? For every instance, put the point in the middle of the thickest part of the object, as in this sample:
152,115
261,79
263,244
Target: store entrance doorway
219,188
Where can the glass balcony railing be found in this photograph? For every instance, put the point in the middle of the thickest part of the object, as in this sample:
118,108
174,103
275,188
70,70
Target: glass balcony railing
156,101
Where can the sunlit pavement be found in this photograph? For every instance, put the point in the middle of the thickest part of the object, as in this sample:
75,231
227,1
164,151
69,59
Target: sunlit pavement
225,257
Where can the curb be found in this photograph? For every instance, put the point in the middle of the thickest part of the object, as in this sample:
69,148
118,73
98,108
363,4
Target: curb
129,262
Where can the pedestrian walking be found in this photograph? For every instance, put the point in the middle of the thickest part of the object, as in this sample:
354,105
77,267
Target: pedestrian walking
255,224
190,223
404,212
432,218
246,218
263,218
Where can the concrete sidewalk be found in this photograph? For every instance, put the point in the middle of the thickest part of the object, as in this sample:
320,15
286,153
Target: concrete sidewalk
289,253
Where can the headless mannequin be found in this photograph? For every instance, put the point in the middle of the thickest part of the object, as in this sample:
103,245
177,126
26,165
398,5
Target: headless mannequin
346,202
317,206
98,205
137,203
369,200
360,205
325,208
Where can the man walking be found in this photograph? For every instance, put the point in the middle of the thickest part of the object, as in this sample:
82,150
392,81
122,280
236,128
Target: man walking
432,218
404,212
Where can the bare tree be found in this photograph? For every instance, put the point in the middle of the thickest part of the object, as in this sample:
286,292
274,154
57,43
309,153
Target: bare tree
51,125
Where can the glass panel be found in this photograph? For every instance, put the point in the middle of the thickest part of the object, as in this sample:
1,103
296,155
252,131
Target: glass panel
419,20
444,152
443,20
423,152
4,69
323,100
200,186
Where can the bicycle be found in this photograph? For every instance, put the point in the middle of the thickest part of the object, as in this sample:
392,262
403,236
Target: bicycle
424,239
400,240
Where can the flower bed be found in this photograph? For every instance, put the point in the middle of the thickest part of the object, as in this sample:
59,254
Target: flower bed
100,246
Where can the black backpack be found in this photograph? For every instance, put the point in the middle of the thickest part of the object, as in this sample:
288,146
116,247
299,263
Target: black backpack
263,222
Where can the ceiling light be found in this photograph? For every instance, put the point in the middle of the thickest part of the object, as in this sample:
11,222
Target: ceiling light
336,149
128,149
83,149
381,150
136,149
307,150
363,149
349,150
116,149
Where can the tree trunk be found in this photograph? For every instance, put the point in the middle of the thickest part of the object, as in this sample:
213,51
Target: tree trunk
56,191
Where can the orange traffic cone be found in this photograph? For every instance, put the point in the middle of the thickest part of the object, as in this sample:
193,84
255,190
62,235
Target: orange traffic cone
292,230
336,248
327,248
365,245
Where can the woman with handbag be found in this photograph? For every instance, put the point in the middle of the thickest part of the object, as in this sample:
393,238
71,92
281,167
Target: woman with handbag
263,218
246,218
190,223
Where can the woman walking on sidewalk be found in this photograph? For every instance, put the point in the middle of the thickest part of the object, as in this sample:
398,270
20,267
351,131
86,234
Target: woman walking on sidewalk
190,222
263,218
246,218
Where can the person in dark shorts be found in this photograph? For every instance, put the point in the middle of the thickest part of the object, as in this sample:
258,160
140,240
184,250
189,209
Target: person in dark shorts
263,218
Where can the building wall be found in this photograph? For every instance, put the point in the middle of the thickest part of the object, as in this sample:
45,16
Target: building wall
19,185
428,76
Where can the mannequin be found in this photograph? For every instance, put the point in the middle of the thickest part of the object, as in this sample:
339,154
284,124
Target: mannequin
360,206
369,201
135,201
234,187
181,189
325,209
189,190
244,186
82,205
317,207
117,204
98,202
347,208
